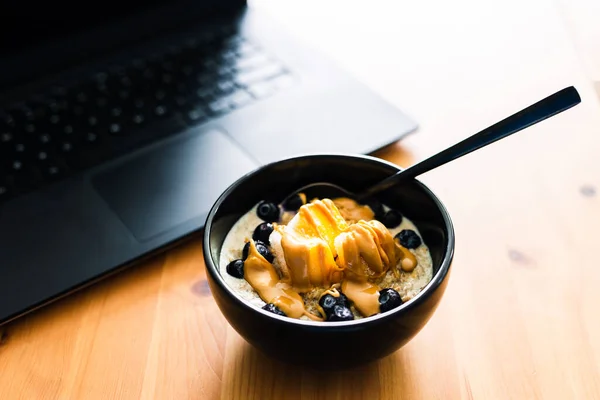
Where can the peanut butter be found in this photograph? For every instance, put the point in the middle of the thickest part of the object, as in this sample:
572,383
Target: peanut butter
364,295
408,260
308,245
352,211
365,250
264,279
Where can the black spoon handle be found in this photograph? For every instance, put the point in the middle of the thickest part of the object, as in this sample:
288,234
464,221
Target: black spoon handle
546,108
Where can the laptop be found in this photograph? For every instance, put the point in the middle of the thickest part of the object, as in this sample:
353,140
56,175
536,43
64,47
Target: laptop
121,123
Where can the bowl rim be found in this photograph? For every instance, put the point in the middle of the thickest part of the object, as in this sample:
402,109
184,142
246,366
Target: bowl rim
429,289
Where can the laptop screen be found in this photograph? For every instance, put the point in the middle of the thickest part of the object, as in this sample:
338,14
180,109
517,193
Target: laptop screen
45,36
36,22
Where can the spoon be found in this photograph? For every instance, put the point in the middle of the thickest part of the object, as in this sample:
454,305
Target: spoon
543,109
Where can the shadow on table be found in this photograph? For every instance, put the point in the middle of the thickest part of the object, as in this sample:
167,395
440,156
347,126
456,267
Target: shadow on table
257,376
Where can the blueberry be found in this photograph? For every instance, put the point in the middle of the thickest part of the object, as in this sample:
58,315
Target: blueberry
342,300
262,232
327,302
268,212
388,299
263,250
376,207
409,239
236,269
293,203
274,309
245,251
340,313
391,219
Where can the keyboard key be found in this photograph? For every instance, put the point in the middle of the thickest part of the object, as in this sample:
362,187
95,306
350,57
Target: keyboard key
229,57
261,90
267,88
210,63
20,148
245,49
206,78
16,165
233,43
53,171
138,119
195,115
253,62
91,138
160,111
205,94
7,120
54,119
224,70
44,138
6,137
41,156
66,146
21,113
225,86
248,77
114,129
238,98
219,106
181,101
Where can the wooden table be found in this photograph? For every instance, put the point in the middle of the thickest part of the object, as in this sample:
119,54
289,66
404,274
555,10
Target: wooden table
520,317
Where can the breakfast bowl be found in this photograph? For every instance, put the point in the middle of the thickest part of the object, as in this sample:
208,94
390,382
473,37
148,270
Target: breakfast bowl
318,344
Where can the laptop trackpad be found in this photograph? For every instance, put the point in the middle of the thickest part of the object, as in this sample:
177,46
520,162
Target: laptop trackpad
167,186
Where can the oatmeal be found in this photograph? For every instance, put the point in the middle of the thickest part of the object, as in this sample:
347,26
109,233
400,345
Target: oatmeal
325,259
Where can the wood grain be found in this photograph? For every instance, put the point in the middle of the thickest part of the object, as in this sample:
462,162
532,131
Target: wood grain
520,316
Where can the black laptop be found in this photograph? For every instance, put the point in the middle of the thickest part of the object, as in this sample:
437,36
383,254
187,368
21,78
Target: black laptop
121,123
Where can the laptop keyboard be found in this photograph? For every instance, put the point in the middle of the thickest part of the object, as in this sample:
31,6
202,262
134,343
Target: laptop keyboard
114,111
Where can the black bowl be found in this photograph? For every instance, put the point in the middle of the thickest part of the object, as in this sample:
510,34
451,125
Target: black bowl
329,344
